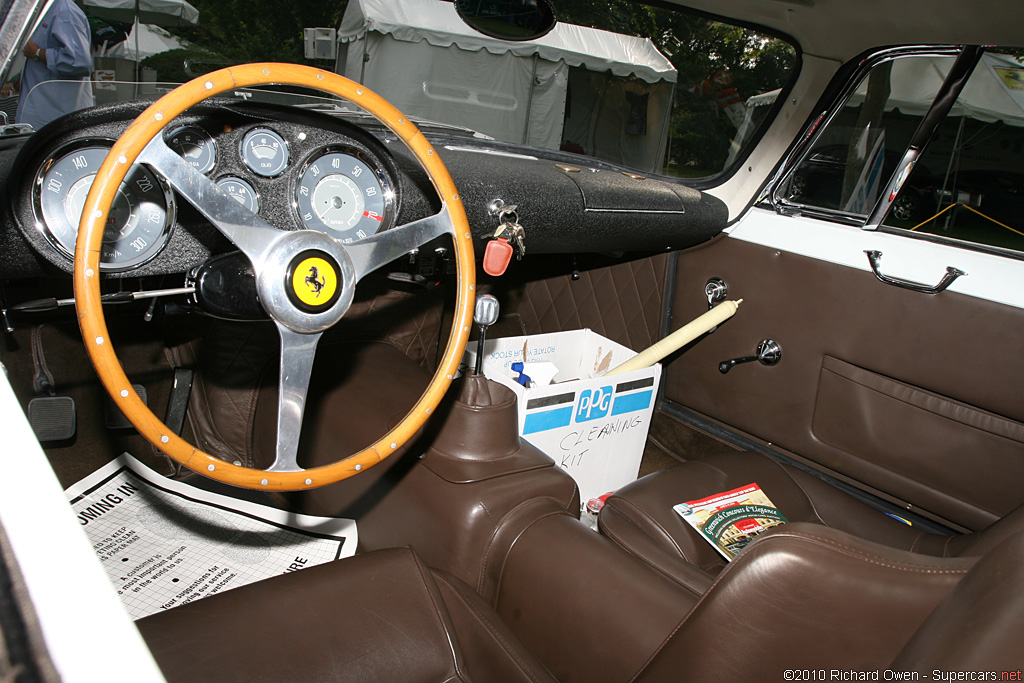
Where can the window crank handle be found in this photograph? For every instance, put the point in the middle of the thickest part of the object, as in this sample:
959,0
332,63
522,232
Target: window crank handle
768,353
727,365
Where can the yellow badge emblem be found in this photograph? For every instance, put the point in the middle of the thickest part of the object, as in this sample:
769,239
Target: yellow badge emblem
315,281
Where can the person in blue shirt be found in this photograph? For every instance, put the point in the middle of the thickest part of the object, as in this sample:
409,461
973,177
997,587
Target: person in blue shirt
56,77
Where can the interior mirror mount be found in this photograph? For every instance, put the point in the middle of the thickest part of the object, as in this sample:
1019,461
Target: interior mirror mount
508,19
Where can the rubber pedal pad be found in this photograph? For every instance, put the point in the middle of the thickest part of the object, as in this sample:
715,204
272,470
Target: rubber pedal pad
52,418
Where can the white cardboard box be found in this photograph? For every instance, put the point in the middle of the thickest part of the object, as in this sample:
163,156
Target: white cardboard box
594,427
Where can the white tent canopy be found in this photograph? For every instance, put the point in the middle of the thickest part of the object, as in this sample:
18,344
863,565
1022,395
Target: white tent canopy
995,91
439,24
145,40
986,97
422,57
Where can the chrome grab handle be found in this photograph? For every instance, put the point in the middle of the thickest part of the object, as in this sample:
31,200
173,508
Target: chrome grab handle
875,259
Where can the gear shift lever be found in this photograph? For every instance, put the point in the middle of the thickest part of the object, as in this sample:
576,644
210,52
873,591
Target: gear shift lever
485,313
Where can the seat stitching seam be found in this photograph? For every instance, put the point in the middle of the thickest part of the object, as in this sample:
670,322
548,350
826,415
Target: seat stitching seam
623,544
865,556
653,522
449,636
488,625
497,527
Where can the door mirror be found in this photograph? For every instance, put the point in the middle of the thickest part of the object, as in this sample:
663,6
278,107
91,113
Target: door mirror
508,19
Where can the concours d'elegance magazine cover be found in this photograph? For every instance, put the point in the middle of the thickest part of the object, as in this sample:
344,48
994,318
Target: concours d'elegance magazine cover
731,519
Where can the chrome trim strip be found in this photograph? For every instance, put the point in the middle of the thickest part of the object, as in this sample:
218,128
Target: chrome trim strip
949,92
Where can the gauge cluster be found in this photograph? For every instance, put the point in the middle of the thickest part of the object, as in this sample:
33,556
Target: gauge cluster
300,171
140,218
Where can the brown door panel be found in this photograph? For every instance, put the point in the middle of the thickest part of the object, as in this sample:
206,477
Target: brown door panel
913,395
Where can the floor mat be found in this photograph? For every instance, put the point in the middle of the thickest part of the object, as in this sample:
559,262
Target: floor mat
164,543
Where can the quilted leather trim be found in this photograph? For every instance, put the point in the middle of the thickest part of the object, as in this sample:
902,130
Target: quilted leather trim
623,302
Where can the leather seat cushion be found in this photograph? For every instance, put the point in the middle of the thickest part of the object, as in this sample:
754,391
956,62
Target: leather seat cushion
640,518
380,616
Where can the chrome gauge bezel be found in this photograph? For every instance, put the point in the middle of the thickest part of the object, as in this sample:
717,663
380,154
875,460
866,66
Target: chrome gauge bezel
249,187
206,168
377,172
66,247
270,133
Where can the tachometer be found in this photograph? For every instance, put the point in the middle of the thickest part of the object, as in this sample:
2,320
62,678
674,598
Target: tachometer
140,217
340,193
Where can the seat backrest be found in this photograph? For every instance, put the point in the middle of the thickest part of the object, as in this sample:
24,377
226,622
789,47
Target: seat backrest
979,626
810,597
376,617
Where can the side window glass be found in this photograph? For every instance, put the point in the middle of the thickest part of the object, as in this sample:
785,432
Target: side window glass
692,113
969,182
851,160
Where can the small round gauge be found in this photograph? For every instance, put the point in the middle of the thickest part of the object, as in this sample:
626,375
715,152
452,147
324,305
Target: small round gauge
340,193
265,152
195,146
140,217
241,191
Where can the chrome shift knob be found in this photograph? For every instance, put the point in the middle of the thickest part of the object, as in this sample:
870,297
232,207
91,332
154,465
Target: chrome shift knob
485,313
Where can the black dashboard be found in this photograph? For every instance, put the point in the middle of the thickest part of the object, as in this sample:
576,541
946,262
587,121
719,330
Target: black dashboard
344,175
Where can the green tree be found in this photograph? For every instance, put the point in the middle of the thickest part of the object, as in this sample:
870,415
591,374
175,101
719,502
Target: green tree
710,57
239,30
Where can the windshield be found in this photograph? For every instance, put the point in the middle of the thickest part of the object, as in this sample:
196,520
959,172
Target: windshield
644,87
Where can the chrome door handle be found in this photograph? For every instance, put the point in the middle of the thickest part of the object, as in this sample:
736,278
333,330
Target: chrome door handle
875,259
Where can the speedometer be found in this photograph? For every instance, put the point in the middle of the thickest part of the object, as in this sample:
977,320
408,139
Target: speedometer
340,193
140,216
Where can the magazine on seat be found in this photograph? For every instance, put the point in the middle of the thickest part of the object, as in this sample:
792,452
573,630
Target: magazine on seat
731,519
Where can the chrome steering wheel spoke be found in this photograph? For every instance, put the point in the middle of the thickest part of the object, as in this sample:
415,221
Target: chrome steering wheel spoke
250,233
296,367
373,252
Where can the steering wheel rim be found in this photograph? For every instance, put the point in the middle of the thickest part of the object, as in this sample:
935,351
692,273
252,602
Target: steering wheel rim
138,140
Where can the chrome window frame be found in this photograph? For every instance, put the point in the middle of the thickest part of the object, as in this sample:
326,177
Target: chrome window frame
801,150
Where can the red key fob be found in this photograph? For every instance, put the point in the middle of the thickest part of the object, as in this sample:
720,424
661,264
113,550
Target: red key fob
497,255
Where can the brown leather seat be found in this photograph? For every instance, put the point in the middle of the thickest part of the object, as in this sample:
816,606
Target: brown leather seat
804,597
640,518
809,598
382,616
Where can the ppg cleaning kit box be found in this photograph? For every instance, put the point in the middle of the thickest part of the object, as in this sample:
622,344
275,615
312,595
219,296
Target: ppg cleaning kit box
593,426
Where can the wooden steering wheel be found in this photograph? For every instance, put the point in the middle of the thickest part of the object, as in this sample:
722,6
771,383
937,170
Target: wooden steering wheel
280,259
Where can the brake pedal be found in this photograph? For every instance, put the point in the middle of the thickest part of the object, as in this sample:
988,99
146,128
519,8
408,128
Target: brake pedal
52,418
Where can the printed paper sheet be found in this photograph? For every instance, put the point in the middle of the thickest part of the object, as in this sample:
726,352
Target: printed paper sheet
164,543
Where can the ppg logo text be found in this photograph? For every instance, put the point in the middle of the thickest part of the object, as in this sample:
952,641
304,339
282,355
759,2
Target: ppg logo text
593,404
